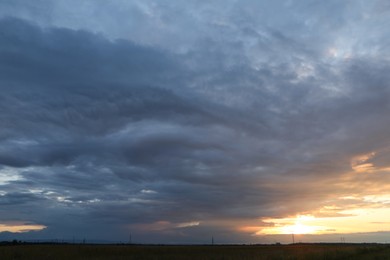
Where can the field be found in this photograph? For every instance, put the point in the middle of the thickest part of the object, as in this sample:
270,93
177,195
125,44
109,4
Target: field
226,252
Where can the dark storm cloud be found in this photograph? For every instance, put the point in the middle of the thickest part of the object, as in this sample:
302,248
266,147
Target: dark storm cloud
240,119
81,141
28,52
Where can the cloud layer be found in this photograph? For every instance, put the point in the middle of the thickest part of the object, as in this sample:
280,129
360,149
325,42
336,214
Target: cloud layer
176,121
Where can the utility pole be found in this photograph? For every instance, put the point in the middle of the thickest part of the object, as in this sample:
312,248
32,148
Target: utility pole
293,238
130,242
212,240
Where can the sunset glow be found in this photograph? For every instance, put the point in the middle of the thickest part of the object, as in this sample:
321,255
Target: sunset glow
20,227
344,222
302,224
181,121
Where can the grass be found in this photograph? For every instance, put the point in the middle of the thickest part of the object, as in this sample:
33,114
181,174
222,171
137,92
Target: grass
225,252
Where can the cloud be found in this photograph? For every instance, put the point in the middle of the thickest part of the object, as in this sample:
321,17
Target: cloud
20,227
232,122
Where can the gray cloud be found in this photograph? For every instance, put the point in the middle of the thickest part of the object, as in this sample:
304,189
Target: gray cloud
226,115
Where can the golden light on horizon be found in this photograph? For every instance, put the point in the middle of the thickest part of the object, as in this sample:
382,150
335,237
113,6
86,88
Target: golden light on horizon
302,224
364,219
299,228
15,227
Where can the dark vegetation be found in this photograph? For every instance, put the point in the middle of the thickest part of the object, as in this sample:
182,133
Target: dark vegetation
18,250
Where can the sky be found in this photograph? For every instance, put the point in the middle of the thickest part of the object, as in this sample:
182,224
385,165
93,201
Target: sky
178,121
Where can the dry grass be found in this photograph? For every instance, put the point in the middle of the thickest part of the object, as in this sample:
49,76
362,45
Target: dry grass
119,252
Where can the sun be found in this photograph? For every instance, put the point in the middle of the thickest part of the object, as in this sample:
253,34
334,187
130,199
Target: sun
298,228
302,224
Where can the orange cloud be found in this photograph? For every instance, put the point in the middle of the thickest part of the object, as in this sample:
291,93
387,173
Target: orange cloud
16,227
